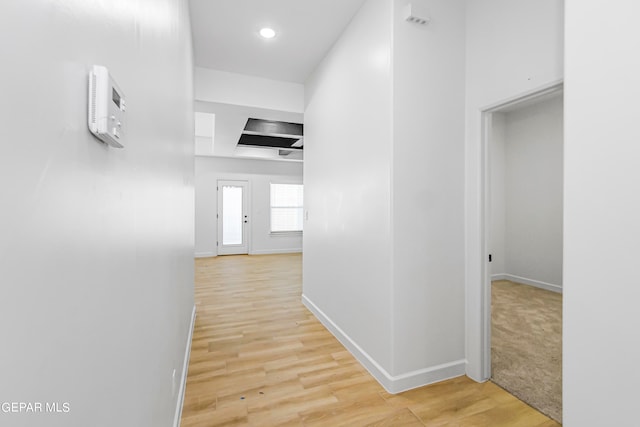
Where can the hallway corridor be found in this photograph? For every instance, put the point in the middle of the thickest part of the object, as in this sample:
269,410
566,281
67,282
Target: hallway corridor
259,358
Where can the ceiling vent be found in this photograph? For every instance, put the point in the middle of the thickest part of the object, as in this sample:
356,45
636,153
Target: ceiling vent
416,13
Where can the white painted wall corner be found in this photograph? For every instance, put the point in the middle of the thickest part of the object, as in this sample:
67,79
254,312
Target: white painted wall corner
391,383
205,254
525,281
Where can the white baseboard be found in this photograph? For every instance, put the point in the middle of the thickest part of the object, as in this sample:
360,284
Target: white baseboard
536,283
185,369
258,252
276,251
392,383
205,254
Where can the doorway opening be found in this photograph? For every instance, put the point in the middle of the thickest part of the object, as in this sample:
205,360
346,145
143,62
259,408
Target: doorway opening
522,283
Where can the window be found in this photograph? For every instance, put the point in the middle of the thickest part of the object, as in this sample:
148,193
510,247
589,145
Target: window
286,207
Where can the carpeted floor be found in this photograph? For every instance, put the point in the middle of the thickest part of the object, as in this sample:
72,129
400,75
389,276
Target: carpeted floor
526,344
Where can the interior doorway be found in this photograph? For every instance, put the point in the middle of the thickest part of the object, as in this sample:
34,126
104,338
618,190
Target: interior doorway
233,217
522,284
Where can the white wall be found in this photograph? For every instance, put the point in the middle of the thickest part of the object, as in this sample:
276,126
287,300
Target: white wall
526,194
347,178
204,126
428,192
239,89
512,48
391,135
259,174
602,158
533,192
96,255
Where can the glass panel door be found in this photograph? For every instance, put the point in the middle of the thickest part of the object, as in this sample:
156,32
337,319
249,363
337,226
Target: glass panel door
233,217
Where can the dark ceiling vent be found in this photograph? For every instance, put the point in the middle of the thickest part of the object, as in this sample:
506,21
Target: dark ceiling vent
268,141
272,134
273,127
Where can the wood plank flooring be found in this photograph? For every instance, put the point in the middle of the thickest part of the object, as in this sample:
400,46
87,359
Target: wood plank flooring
260,358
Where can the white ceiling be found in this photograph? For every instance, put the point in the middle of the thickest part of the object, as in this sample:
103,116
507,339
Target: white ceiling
225,35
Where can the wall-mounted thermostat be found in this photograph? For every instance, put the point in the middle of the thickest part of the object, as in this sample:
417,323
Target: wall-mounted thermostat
106,107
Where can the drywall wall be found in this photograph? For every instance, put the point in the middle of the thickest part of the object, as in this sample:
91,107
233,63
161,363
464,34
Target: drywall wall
526,194
512,48
428,192
533,194
239,89
96,255
205,127
397,122
259,174
601,233
347,178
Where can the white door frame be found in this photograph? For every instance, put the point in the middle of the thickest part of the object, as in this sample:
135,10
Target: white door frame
244,247
485,210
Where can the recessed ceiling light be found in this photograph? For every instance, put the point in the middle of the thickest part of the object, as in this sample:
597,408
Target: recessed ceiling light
267,33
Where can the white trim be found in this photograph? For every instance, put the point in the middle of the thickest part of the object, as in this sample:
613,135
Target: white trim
276,251
289,233
531,282
205,254
271,159
485,270
185,369
392,383
540,91
478,280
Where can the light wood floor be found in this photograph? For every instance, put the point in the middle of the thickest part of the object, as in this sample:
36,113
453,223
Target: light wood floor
259,358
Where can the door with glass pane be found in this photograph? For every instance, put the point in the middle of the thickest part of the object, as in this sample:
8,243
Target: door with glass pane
233,217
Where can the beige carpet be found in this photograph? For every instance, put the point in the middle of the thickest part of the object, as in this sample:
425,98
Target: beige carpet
526,344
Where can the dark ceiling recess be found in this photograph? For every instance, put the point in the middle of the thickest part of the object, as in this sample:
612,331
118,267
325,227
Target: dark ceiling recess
270,126
268,141
272,134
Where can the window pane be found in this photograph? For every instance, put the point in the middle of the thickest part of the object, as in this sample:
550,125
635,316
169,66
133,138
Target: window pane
231,215
286,207
286,195
286,219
